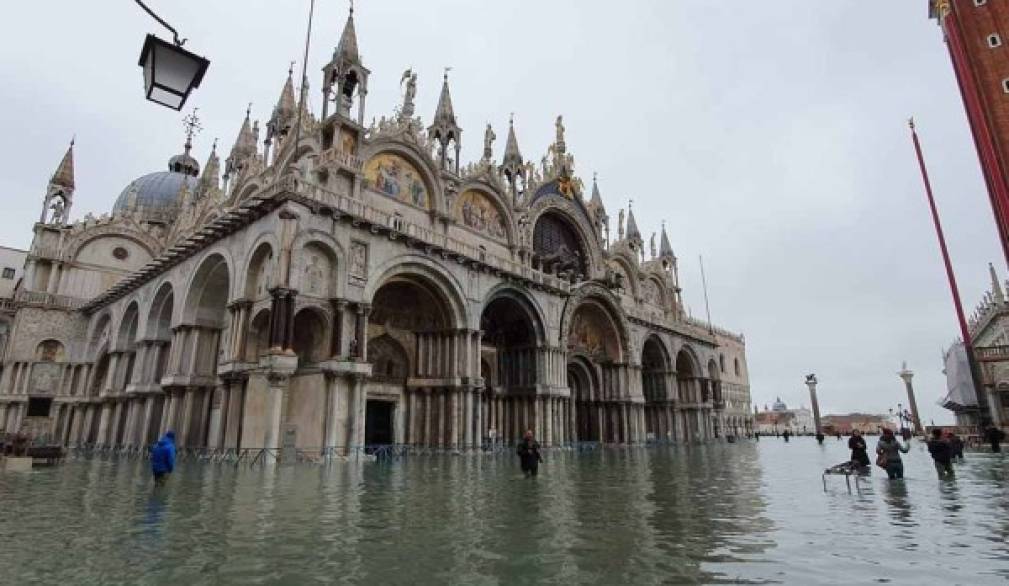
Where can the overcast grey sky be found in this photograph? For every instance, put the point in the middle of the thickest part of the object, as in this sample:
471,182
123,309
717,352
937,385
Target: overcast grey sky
771,137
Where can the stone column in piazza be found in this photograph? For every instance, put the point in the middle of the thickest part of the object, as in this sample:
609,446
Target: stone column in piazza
811,383
906,375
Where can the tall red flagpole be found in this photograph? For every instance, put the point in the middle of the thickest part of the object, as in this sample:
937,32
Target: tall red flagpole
964,331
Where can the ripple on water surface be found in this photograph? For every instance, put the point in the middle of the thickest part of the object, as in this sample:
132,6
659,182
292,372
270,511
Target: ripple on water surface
722,513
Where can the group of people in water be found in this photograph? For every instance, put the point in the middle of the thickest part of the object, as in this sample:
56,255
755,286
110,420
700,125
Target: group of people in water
944,449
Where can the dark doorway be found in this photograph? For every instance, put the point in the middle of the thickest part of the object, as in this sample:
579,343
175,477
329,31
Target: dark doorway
378,423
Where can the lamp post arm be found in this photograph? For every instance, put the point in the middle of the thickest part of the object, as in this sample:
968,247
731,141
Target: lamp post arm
175,33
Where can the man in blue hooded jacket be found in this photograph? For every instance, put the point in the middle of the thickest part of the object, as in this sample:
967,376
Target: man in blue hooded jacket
163,458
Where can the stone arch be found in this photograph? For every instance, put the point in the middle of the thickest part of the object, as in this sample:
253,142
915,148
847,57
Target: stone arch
688,370
525,302
492,196
424,271
145,241
258,337
244,191
126,335
655,360
630,271
310,341
594,293
259,270
318,265
50,350
513,340
419,161
208,293
558,247
653,291
100,336
390,362
579,222
160,316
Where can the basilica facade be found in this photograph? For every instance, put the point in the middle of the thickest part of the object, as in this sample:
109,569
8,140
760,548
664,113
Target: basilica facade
334,285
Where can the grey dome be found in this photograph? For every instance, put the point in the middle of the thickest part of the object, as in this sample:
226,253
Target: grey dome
155,192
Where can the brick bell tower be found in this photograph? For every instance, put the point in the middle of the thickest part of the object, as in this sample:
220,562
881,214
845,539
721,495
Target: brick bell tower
977,36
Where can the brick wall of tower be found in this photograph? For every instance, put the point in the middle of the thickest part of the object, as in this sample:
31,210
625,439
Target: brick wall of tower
981,72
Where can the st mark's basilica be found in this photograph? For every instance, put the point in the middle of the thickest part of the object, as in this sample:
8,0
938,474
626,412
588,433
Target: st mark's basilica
337,285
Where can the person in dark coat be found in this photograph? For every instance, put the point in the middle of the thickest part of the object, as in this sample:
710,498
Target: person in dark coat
994,436
163,458
859,450
786,434
956,444
529,454
942,454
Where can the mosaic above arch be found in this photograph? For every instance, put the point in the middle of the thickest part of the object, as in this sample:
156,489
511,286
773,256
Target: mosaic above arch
394,176
476,211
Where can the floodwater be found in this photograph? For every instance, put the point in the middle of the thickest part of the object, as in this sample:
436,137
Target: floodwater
752,512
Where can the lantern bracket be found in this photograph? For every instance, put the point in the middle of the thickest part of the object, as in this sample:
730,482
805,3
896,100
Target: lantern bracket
175,33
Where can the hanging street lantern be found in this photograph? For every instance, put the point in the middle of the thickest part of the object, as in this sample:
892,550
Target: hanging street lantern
171,73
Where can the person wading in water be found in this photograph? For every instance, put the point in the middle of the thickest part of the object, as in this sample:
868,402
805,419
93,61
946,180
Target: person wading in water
163,458
859,451
888,450
529,454
942,454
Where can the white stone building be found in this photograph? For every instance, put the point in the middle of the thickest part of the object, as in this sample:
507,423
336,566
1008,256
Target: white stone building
349,285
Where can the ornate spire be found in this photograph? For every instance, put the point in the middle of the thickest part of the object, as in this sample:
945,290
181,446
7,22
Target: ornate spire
665,249
632,226
211,171
444,114
444,128
347,47
244,147
996,288
597,200
59,194
286,104
512,155
64,175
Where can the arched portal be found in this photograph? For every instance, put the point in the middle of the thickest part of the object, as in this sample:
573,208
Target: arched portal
689,395
512,348
595,344
589,411
258,339
655,374
712,391
152,368
557,246
412,333
310,341
205,327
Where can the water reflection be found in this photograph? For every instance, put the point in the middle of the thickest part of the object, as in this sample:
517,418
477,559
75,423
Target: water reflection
721,513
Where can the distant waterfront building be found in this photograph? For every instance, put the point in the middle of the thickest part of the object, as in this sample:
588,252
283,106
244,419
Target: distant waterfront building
779,418
863,422
348,285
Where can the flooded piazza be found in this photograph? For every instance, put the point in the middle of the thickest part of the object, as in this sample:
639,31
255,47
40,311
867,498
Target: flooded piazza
751,512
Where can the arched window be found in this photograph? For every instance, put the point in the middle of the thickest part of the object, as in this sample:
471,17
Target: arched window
736,365
721,363
557,245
